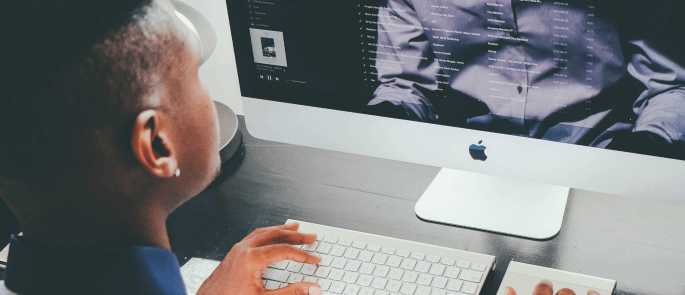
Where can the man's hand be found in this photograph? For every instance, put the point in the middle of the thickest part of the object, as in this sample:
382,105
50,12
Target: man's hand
545,287
240,271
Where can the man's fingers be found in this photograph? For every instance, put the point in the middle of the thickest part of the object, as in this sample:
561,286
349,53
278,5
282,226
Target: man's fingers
592,292
301,288
293,226
267,255
566,291
510,291
544,287
282,236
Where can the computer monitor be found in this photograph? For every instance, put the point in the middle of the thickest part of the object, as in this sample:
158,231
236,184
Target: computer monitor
585,94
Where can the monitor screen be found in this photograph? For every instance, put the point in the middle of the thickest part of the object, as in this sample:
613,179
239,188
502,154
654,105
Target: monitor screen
598,73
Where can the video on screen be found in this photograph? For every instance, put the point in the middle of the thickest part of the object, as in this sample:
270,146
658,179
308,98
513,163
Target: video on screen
605,74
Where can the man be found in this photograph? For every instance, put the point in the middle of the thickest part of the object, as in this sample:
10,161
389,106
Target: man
105,129
607,74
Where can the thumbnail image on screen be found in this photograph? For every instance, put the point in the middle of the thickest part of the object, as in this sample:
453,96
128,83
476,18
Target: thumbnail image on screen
600,73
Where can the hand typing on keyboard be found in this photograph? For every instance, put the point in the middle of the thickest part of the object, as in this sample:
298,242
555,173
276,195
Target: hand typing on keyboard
545,287
240,273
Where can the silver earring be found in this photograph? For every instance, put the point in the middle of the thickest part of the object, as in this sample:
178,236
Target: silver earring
178,172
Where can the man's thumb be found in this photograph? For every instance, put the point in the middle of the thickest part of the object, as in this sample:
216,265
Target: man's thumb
301,288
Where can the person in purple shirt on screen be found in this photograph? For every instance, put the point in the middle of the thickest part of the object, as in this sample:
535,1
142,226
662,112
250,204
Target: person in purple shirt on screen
607,74
105,129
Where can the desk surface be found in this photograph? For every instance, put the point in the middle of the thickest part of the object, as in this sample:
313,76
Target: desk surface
638,242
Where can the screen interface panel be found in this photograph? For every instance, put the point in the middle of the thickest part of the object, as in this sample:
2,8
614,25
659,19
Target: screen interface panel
599,73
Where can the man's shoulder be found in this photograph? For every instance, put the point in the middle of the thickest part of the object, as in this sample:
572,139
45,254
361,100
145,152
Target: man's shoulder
4,290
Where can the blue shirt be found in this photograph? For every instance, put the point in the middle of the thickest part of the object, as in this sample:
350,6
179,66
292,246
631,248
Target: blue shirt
573,71
36,269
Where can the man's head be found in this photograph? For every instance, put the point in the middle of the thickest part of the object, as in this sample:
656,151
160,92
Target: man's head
100,104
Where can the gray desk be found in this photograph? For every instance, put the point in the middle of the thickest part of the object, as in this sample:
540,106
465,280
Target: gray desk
638,242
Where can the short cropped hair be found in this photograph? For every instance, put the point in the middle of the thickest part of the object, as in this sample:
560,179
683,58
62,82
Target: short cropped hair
74,75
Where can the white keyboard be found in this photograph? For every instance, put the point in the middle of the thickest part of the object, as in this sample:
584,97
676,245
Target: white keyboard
356,263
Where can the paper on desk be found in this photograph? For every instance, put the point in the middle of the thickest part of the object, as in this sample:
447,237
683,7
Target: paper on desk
195,272
3,255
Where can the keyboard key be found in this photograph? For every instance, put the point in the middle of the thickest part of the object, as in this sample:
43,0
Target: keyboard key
294,267
437,269
337,288
454,285
326,260
311,247
324,248
433,258
337,251
272,285
379,283
408,289
388,250
424,279
373,247
408,264
423,290
367,268
393,286
351,290
439,282
410,276
345,242
364,280
417,255
381,292
308,269
325,284
368,291
470,275
353,265
438,292
309,279
379,258
469,288
452,272
295,278
394,261
336,274
339,263
350,277
359,245
402,253
351,253
322,272
381,271
422,266
365,256
448,293
275,275
280,265
331,240
448,261
395,274
319,237
283,285
478,267
463,264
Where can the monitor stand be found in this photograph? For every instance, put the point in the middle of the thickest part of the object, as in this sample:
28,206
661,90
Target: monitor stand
495,204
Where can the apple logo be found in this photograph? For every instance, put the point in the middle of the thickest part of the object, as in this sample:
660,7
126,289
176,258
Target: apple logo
477,151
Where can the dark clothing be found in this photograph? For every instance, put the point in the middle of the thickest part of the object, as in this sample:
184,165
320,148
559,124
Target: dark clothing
36,269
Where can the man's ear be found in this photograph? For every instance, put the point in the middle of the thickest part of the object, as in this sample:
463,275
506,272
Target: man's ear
152,145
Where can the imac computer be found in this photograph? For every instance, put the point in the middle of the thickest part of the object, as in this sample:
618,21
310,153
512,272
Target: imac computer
518,101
